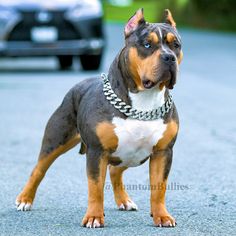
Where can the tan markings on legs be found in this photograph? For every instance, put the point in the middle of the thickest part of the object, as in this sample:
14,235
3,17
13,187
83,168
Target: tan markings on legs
120,194
122,198
94,217
161,217
169,134
44,162
107,136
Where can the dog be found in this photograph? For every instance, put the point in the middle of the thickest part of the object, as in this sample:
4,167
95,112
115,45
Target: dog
121,120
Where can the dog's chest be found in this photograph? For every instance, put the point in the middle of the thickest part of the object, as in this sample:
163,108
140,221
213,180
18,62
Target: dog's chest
136,139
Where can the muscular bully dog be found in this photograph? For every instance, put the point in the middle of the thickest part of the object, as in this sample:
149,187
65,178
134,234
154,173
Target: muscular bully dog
121,121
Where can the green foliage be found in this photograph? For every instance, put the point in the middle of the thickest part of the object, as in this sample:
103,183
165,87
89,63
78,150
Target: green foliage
122,14
209,14
204,14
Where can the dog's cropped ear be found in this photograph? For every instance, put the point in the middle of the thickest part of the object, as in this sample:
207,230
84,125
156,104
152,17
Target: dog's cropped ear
134,22
168,18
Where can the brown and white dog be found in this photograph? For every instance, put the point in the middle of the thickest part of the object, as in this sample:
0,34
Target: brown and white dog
141,76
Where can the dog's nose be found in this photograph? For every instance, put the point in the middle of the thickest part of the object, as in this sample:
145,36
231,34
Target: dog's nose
168,58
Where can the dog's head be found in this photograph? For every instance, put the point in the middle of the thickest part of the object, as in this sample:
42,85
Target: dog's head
152,51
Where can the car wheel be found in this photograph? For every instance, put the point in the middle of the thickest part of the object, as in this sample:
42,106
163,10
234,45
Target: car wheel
90,62
65,62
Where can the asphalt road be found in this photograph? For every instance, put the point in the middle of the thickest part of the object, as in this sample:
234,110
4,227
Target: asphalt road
201,193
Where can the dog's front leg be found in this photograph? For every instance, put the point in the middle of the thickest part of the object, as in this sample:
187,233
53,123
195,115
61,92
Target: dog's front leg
159,168
96,172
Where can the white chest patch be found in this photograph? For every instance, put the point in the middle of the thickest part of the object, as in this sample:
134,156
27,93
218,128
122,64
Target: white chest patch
136,139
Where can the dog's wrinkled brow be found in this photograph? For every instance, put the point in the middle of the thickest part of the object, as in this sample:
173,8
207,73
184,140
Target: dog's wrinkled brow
160,33
160,27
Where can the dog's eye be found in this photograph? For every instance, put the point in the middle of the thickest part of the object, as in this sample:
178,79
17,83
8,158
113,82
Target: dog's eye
176,44
147,45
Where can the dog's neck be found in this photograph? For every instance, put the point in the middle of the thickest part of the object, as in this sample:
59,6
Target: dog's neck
148,100
125,88
119,81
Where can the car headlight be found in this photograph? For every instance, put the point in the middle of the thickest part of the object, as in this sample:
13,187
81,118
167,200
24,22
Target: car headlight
85,8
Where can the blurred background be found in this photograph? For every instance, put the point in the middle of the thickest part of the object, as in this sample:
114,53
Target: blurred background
203,14
46,47
75,33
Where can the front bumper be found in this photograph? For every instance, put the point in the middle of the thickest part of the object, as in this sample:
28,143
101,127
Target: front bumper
92,46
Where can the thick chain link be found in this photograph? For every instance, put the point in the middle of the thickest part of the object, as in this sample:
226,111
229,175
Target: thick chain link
128,110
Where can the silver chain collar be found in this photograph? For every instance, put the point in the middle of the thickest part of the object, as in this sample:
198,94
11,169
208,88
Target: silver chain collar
128,110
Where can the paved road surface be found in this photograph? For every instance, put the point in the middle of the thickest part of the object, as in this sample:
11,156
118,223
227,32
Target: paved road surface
202,181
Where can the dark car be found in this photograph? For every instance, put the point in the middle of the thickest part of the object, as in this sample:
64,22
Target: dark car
61,28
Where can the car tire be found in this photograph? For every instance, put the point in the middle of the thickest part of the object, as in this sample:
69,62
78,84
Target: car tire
91,62
65,62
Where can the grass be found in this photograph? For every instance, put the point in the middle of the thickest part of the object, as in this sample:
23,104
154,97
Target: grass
122,14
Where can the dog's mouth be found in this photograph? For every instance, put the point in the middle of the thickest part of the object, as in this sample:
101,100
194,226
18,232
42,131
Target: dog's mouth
167,78
148,84
170,79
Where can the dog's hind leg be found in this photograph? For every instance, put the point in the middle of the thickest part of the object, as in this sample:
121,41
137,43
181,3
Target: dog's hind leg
60,136
122,198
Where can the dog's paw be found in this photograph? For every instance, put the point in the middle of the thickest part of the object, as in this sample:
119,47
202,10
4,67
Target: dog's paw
93,222
128,205
164,221
23,203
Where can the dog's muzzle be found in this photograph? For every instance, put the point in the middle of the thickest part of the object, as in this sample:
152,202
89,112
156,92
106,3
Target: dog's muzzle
168,58
169,63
